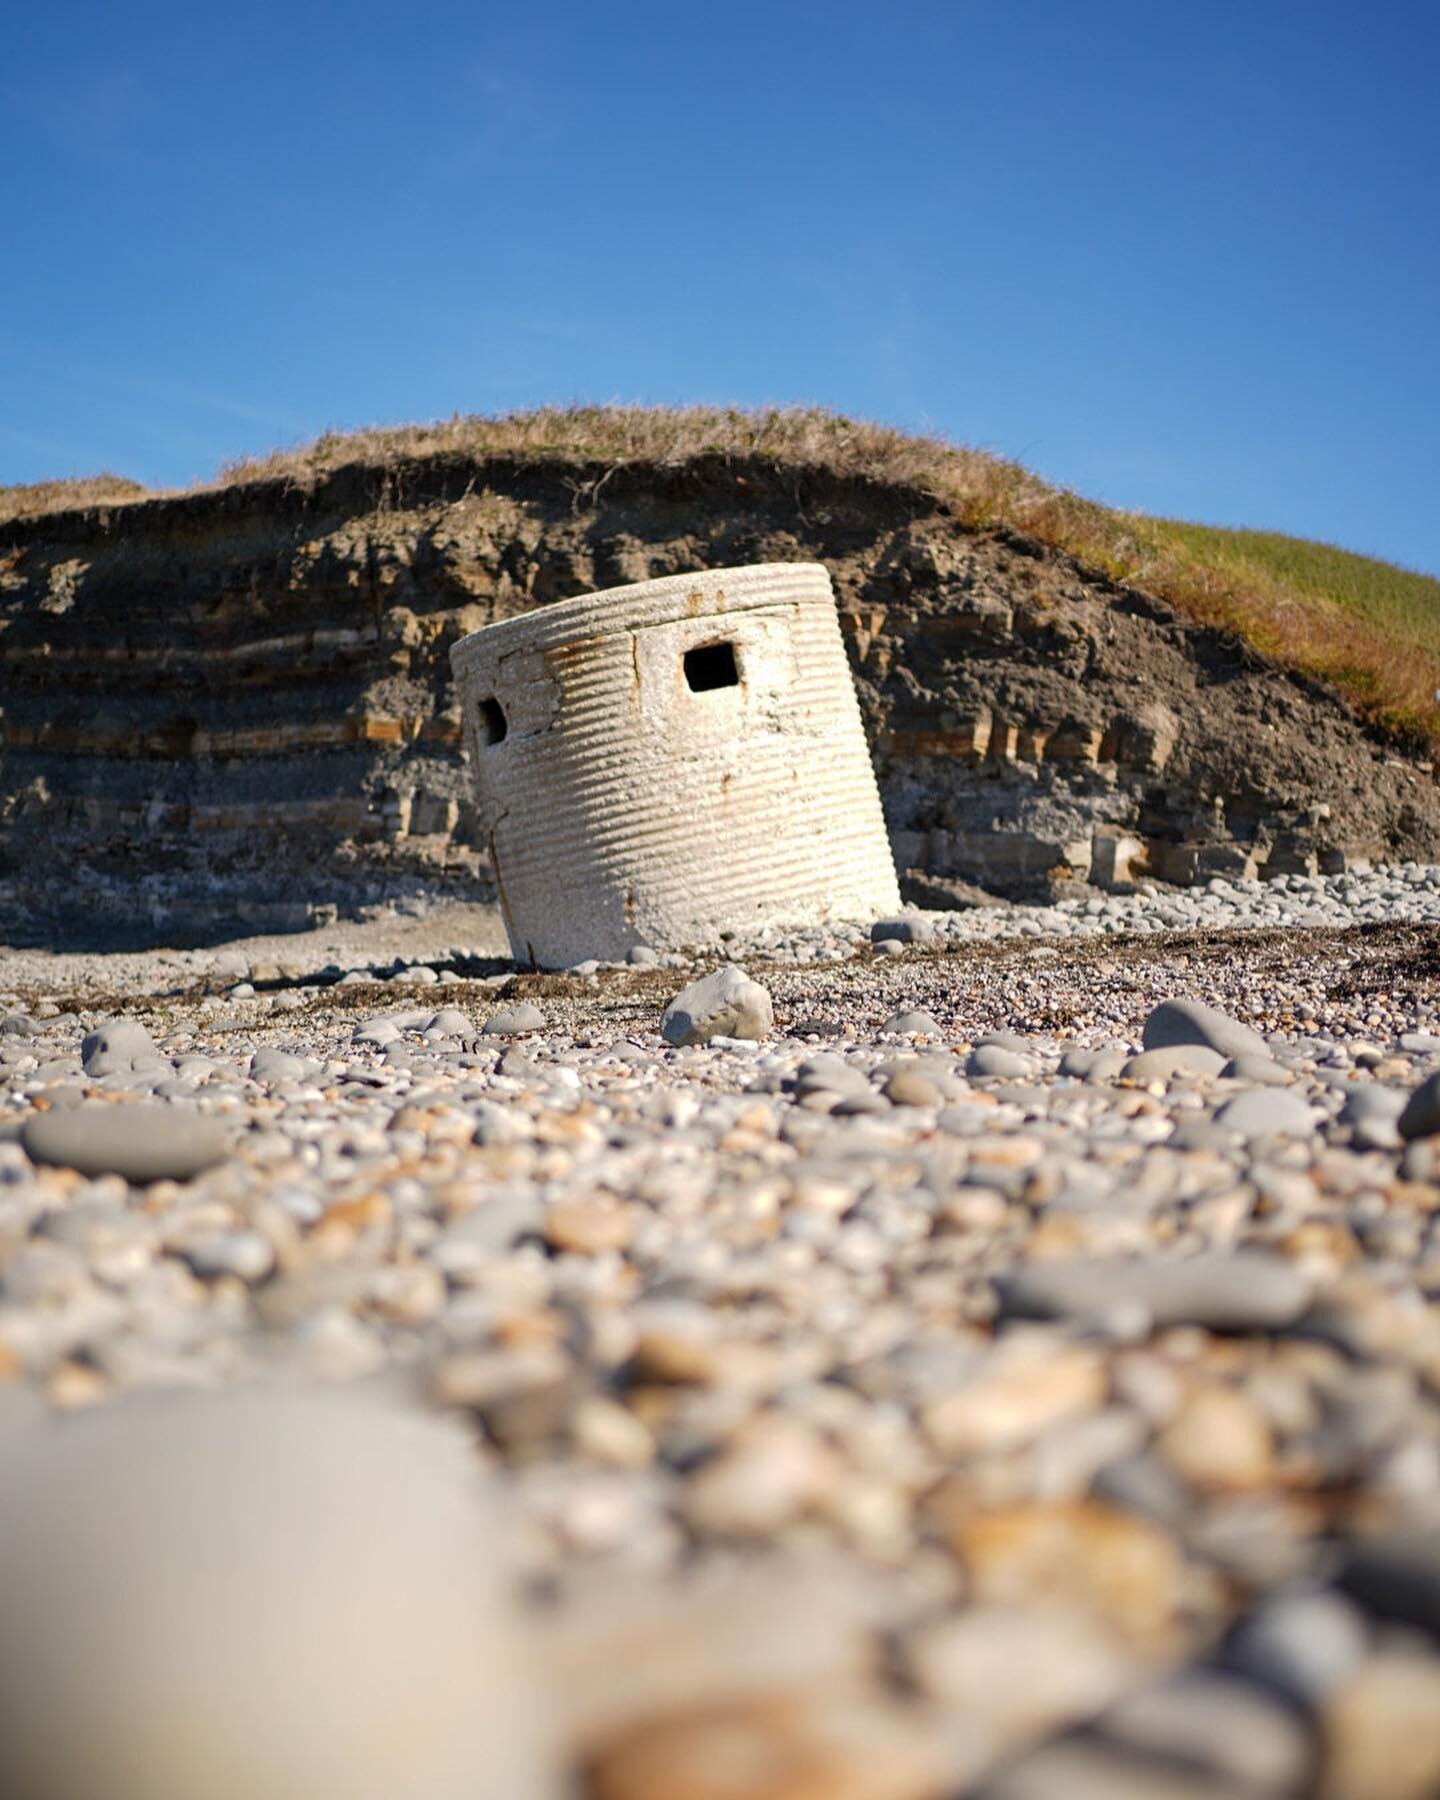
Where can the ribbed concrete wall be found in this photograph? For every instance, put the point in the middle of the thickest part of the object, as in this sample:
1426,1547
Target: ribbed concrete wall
624,807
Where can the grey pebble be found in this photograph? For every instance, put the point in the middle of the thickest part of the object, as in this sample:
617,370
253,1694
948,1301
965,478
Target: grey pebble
1090,1768
1397,1577
450,1022
1421,1114
64,1094
1265,1112
1418,1160
912,1087
140,1142
910,928
514,1021
270,1064
99,1227
1174,1059
117,1048
143,1078
384,1028
495,1124
496,1224
41,1274
1208,1719
1257,1071
1106,1067
248,1255
995,1062
1300,1644
1247,1291
726,1003
860,1100
1143,1484
830,1075
1372,1113
1192,1022
914,1023
1201,1134
196,1068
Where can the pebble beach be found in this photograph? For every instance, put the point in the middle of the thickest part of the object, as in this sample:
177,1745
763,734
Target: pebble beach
982,1353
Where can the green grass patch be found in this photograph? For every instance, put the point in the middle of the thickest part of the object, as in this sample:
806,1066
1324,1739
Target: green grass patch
1381,593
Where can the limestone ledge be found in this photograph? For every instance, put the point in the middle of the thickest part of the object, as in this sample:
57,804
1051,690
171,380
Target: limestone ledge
172,742
167,659
343,814
1113,858
1128,741
1136,740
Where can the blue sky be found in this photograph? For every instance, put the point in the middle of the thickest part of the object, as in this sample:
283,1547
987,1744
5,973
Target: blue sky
1182,258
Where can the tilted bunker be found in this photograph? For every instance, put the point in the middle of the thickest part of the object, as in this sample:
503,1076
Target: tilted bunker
660,763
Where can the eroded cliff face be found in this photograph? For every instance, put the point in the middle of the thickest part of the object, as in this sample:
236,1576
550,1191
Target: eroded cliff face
239,703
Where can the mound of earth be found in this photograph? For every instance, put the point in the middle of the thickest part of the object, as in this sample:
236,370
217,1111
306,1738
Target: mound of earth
234,708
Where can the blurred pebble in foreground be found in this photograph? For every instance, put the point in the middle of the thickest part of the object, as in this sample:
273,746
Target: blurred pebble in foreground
262,1596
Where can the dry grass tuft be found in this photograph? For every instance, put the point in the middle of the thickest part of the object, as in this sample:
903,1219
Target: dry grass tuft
62,496
665,436
1365,627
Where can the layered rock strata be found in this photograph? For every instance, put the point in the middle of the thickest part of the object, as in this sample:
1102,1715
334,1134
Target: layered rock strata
241,698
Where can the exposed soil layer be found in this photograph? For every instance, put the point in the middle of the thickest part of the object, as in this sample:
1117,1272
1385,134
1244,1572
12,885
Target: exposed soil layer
228,709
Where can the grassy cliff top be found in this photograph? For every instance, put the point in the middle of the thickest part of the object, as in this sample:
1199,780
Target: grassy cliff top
28,502
1367,627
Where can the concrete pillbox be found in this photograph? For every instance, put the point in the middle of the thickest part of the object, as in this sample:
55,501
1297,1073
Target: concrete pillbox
656,764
